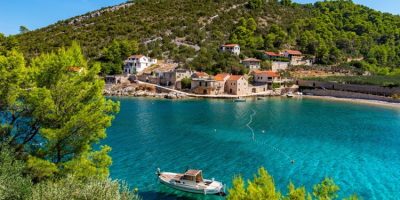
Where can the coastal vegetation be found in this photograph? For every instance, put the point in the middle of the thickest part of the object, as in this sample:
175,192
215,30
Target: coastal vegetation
53,114
191,31
263,187
379,80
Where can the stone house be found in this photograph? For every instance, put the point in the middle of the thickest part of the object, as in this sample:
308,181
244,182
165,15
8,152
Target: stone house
137,63
251,63
296,58
174,77
266,77
116,79
149,78
279,66
236,85
232,48
204,86
221,82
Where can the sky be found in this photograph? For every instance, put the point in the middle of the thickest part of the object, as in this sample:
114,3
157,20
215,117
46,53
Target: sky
39,13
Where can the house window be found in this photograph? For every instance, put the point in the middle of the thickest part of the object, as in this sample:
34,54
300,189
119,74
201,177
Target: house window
199,83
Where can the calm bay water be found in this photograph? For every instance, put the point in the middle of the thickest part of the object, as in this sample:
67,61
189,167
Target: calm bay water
357,145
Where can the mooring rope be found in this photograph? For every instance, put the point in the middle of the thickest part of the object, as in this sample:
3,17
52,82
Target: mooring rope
251,121
264,143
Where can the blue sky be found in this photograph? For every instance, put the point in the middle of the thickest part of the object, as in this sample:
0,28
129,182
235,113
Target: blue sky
39,13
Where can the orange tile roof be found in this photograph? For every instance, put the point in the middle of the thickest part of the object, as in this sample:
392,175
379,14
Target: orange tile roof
294,52
200,74
270,53
74,69
268,73
230,45
220,77
251,60
235,77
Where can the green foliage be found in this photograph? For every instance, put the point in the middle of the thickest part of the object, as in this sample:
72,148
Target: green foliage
331,31
72,187
13,185
7,44
385,81
41,168
254,4
51,117
23,29
237,192
112,56
263,187
186,83
296,193
16,185
286,2
213,62
244,34
326,190
276,85
55,115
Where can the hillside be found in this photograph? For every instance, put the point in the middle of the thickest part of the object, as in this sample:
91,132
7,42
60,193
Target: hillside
190,31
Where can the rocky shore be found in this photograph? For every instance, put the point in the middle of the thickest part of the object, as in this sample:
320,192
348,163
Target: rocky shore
137,90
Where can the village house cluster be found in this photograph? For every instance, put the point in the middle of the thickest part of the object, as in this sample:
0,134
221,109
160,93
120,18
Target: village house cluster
257,81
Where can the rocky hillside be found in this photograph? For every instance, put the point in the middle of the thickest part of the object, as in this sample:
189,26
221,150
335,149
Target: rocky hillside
189,31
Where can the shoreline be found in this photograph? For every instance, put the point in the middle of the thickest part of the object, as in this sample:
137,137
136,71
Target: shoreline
330,98
356,101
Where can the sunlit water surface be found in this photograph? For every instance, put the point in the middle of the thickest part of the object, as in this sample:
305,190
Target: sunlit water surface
357,145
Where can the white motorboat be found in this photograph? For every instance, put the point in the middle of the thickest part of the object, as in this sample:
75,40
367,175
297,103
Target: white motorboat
191,181
289,95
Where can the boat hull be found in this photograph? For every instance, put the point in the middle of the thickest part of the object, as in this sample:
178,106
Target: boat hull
214,188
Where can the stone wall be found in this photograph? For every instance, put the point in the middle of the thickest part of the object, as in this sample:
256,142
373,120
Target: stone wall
346,94
367,89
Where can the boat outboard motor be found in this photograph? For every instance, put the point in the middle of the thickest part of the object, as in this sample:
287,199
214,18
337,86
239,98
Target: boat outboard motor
158,172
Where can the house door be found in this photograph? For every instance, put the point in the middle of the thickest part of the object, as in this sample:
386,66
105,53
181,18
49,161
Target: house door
204,91
254,90
230,91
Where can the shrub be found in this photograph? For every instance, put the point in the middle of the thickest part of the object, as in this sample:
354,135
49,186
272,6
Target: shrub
263,187
186,83
74,188
13,184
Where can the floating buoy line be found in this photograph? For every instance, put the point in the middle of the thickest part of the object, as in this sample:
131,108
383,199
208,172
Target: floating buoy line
265,143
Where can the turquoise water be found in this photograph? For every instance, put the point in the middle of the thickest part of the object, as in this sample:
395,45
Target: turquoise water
357,145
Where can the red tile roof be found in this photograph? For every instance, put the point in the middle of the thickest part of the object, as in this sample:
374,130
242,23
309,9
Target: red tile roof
268,73
220,77
251,60
293,52
270,53
235,77
74,69
230,45
200,74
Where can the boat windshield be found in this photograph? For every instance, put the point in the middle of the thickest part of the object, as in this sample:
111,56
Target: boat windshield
193,175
